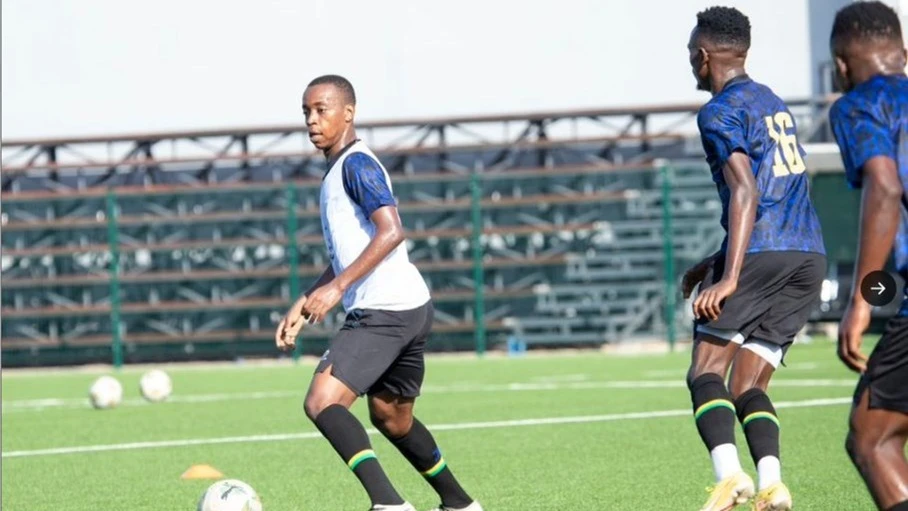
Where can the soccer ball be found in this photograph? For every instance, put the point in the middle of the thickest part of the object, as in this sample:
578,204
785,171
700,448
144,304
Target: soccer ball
105,392
230,495
155,385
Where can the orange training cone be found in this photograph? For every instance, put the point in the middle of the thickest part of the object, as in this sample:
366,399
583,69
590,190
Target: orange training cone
202,472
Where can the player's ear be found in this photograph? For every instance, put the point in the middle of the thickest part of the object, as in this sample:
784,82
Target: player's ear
703,56
841,74
349,111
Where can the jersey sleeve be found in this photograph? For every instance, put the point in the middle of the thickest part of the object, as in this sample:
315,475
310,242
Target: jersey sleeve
861,133
365,183
722,133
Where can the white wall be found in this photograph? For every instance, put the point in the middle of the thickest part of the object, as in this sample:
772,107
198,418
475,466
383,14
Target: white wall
74,67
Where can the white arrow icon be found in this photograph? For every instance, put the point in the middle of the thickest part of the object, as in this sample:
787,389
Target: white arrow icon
879,288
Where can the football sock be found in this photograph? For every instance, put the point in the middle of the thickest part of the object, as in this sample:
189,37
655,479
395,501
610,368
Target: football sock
761,427
901,506
422,452
348,437
714,415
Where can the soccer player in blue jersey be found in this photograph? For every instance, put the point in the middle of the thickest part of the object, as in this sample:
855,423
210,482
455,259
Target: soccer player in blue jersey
757,292
870,123
379,350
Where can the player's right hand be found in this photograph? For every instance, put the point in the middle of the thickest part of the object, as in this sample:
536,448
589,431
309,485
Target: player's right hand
290,326
851,333
694,276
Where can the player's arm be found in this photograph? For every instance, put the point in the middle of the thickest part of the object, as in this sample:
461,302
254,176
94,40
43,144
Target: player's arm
742,211
697,273
292,323
326,277
881,201
389,233
869,157
367,186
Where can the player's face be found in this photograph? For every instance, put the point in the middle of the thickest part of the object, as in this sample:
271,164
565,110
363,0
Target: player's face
698,61
327,115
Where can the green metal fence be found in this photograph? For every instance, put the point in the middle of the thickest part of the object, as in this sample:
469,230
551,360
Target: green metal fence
475,238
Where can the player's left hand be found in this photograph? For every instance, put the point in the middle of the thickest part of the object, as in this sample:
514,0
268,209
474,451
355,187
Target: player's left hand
694,276
851,331
709,302
323,299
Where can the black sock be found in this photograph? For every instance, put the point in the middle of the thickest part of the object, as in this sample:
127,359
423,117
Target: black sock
760,423
420,449
714,411
349,439
901,506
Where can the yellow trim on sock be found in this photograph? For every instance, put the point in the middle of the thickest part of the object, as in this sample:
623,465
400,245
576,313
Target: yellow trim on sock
760,415
438,467
715,403
360,457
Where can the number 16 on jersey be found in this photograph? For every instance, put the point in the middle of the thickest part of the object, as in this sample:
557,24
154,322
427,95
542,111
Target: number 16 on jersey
787,158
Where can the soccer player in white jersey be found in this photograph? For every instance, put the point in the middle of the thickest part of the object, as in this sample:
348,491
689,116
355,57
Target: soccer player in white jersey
379,351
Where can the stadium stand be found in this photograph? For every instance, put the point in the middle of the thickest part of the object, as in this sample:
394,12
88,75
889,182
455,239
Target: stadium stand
185,244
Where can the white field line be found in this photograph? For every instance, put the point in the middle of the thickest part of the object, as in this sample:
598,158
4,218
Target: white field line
582,419
682,372
74,403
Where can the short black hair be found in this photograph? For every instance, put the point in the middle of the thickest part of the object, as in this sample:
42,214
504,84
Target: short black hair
724,25
864,21
338,81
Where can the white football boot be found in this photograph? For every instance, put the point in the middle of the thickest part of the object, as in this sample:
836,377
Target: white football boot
472,507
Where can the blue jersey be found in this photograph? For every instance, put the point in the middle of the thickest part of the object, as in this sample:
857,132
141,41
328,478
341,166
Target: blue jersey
870,121
749,118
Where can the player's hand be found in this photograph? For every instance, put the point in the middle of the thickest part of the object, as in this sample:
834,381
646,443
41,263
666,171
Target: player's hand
851,332
322,300
694,276
709,302
290,326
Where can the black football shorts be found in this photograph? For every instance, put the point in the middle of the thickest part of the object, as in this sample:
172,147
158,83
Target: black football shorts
886,376
775,296
377,350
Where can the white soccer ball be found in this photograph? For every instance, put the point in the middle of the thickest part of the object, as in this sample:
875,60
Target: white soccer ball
230,495
105,392
155,385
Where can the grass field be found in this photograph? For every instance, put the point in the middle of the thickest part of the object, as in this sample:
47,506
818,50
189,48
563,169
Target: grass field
555,432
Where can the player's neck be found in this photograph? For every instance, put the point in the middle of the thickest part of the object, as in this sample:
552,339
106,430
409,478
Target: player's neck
346,140
878,65
719,77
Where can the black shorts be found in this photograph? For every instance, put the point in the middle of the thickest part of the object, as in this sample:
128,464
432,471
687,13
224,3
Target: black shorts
887,370
378,350
775,296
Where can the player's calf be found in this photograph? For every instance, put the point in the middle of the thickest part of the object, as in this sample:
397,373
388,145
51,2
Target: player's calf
327,405
348,437
761,428
714,414
416,444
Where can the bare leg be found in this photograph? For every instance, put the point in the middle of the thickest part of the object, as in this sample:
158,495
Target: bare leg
876,445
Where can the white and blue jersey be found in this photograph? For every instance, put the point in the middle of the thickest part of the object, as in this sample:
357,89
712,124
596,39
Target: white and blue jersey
354,187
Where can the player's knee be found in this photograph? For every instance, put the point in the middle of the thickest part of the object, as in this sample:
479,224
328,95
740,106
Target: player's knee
707,365
862,447
698,370
315,403
391,421
741,385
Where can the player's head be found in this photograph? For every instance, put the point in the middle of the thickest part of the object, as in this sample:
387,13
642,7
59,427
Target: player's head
866,40
720,39
329,105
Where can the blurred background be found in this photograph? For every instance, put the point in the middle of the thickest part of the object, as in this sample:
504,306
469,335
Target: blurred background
160,196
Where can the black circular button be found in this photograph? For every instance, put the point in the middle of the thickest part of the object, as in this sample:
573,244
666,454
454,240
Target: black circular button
878,288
